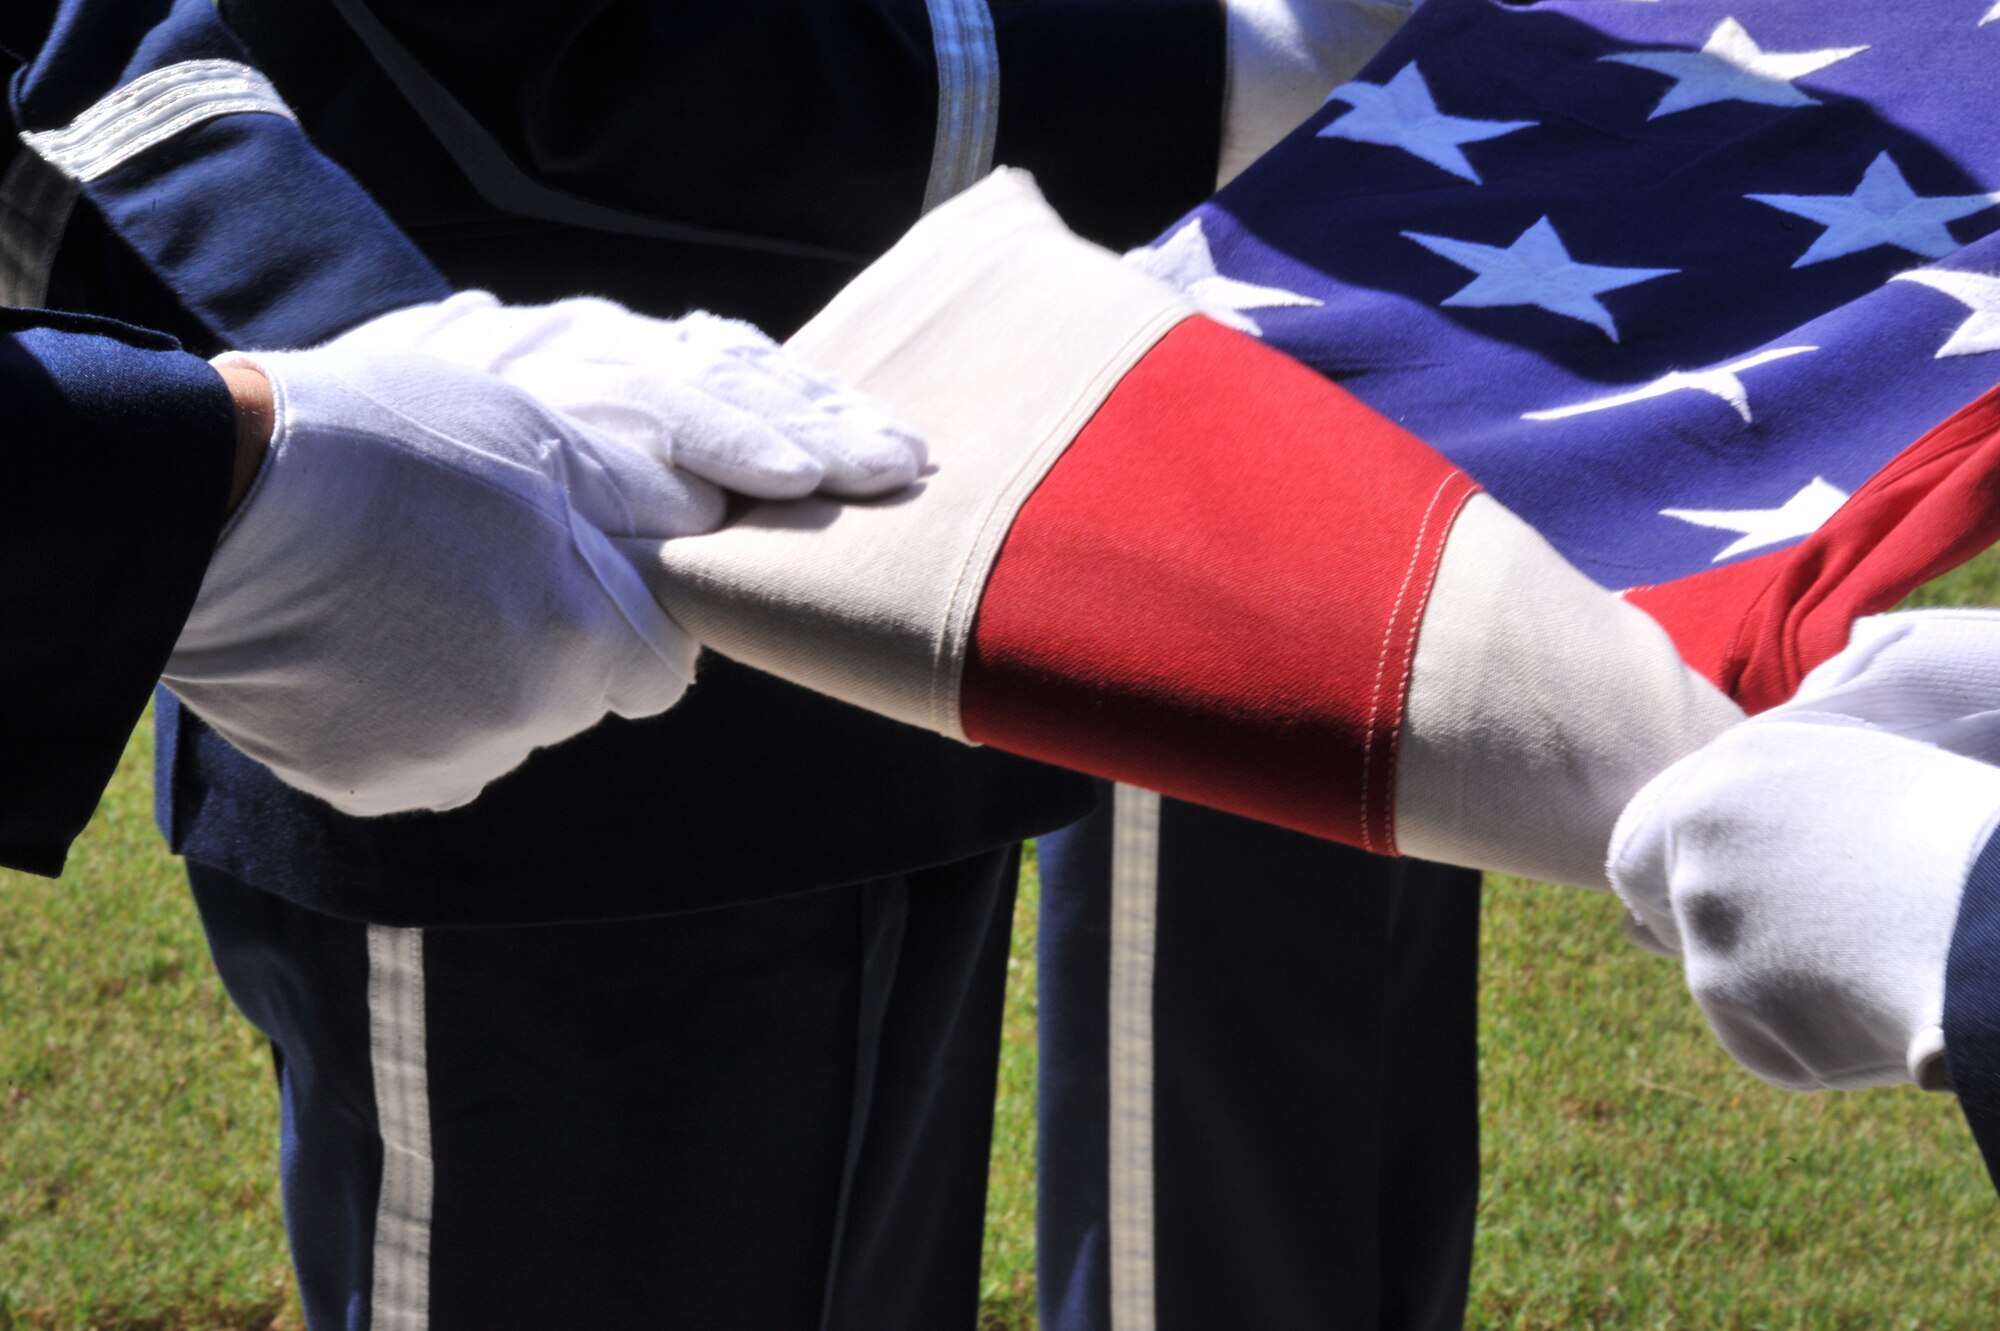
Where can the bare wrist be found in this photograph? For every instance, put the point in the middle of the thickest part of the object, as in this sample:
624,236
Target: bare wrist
255,419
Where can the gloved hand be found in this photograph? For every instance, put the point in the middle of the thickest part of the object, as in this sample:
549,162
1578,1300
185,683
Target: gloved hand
1932,675
712,397
420,587
1809,862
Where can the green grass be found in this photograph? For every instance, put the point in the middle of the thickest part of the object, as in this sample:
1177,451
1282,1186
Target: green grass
1635,1179
138,1131
1007,1285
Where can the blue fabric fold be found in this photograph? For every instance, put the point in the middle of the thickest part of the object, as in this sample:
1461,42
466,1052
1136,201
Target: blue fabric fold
1972,1005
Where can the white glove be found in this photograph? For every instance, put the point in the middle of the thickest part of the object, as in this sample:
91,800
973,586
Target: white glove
711,397
420,589
1810,861
1932,675
1812,870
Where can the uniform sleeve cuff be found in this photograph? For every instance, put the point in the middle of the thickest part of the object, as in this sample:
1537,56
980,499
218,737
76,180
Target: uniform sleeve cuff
1972,1005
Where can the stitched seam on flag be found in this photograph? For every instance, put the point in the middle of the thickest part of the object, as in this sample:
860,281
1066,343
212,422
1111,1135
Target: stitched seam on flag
948,653
1382,667
968,72
1468,490
399,1293
1135,884
152,109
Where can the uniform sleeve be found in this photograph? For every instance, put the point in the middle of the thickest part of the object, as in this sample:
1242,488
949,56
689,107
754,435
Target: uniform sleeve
1972,1004
114,477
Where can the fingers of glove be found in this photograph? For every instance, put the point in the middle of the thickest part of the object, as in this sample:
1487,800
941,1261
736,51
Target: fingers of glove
1932,675
675,422
765,457
724,402
626,492
864,449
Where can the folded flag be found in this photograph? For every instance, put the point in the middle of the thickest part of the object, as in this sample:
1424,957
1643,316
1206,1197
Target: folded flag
1576,300
1155,550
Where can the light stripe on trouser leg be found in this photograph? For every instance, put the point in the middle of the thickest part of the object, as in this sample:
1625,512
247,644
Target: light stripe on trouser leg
1135,880
400,1294
968,118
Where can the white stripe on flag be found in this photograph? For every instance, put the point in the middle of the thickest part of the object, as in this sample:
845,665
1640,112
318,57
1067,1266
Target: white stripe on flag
1135,883
968,118
152,109
400,1298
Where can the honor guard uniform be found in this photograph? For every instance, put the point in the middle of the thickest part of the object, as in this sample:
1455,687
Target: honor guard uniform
117,479
700,1012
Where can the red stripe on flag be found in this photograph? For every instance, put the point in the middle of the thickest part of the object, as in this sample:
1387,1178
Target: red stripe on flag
1216,591
1756,628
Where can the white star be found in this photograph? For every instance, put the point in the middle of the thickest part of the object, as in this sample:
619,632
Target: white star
1801,515
1732,68
1883,210
1535,270
1401,114
1977,292
1991,14
1183,261
1720,382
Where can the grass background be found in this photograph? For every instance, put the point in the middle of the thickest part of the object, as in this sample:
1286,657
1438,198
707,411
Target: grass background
1634,1178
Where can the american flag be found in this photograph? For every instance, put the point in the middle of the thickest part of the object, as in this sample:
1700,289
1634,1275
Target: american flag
1699,270
1707,299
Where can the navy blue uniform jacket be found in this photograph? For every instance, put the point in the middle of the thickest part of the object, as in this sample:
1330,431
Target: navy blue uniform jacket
742,158
115,451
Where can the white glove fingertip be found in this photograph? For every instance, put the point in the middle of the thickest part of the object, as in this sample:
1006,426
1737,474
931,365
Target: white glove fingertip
872,480
866,453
